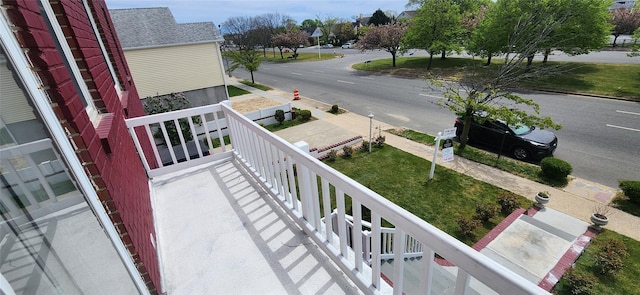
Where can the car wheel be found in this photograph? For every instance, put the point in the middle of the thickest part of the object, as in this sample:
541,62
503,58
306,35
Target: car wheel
520,153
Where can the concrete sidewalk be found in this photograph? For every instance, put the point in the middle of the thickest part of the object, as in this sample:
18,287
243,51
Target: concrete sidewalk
577,199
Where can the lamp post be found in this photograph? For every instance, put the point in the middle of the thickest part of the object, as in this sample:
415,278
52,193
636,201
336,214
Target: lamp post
370,130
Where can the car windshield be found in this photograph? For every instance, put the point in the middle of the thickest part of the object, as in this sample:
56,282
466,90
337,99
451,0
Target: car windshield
520,129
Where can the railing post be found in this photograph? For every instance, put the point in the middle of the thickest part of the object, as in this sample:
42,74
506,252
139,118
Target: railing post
399,244
304,181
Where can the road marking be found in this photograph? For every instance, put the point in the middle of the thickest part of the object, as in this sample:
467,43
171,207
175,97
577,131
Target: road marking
625,112
368,78
294,73
427,95
346,82
625,128
318,71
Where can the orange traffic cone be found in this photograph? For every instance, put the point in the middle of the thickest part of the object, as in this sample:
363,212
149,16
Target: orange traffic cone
296,94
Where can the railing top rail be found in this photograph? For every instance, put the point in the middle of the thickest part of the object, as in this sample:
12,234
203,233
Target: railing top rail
155,118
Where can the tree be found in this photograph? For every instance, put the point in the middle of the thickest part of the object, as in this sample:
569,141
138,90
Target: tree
488,92
345,32
238,31
267,25
166,103
436,28
326,27
488,38
290,39
247,59
387,37
310,24
585,28
582,27
624,21
379,18
635,49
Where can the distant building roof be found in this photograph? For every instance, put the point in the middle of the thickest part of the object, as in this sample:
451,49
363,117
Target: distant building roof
408,14
155,26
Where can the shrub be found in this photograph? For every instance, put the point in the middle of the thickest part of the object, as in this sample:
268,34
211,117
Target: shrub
468,226
631,189
555,168
365,145
609,258
332,155
508,202
335,109
279,115
305,115
347,151
166,103
579,283
379,141
484,212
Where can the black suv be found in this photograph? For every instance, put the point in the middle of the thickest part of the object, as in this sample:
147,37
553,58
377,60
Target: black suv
521,141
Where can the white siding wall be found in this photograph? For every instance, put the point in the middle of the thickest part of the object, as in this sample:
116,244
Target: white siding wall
175,69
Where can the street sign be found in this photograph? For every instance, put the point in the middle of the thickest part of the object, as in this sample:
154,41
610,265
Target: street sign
447,143
449,133
447,154
316,33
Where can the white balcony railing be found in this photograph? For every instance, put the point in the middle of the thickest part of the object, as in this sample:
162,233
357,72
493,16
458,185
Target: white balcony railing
308,190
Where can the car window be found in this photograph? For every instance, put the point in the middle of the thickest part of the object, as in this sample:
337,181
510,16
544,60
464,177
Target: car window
520,129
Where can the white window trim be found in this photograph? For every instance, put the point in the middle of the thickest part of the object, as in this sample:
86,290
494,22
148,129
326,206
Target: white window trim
103,49
91,109
40,100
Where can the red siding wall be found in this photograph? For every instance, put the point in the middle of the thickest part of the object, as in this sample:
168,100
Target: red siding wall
116,171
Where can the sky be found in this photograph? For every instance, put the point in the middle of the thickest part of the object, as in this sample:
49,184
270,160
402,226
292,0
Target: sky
218,11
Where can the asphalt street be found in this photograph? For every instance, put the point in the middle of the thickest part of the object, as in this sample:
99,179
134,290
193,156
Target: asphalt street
600,137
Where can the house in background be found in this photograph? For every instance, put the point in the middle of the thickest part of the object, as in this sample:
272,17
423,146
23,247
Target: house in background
407,15
167,57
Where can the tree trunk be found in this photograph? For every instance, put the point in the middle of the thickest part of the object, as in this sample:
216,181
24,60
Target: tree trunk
393,54
489,59
281,56
444,54
615,37
464,136
430,59
529,62
546,55
252,80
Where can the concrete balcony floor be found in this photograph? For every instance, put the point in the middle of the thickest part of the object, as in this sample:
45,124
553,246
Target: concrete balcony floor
218,234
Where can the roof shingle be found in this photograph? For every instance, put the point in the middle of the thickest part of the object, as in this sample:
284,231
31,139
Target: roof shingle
155,26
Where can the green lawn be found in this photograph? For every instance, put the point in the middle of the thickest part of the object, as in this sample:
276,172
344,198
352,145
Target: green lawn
618,80
235,91
325,54
256,85
403,179
286,124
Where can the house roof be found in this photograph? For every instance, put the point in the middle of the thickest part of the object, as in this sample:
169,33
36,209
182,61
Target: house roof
408,14
155,27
